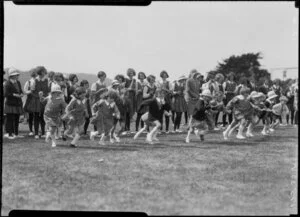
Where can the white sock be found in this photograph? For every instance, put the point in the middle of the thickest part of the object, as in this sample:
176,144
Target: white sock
75,139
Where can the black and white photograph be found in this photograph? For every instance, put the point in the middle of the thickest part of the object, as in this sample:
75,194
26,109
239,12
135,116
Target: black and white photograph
174,108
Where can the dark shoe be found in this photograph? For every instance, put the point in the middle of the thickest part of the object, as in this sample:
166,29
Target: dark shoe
72,145
201,137
64,138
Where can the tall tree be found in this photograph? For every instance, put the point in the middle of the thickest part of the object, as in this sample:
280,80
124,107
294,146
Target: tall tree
246,65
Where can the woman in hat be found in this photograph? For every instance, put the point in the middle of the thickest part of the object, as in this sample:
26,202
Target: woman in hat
139,98
76,113
40,85
229,87
54,110
13,106
198,121
28,88
166,87
179,104
131,87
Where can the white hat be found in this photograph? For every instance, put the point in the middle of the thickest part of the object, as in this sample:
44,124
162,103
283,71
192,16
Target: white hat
55,88
271,95
13,71
115,82
183,77
206,92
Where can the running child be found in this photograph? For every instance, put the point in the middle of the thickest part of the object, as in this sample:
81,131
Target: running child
198,121
156,109
76,114
54,110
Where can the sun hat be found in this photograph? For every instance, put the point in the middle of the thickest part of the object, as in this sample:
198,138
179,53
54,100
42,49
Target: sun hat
183,77
13,71
283,98
55,88
261,95
115,83
253,94
271,95
207,93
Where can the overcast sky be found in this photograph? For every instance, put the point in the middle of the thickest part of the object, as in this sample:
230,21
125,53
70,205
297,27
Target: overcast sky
171,36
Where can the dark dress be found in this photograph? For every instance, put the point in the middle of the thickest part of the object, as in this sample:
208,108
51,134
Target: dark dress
151,91
13,105
179,103
132,87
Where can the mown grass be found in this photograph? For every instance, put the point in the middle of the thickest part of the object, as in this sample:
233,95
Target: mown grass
215,177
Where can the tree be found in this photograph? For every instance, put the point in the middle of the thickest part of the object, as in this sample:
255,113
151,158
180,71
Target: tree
246,65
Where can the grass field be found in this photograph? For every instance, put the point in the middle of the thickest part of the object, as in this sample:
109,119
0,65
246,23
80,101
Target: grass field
252,177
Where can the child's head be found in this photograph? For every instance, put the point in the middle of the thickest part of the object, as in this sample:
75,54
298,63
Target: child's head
101,75
115,84
219,95
141,76
283,100
245,91
84,84
13,74
79,93
159,93
164,74
111,96
206,95
73,78
55,90
219,78
182,79
131,72
41,71
120,78
58,78
272,96
51,75
151,79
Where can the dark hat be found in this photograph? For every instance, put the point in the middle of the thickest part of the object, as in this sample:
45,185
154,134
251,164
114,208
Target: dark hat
163,72
131,70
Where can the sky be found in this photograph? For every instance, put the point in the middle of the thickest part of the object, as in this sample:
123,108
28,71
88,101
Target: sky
172,36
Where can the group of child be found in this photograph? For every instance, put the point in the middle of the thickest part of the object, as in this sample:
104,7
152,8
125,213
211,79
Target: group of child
67,108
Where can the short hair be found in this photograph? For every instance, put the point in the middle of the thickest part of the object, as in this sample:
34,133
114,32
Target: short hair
58,75
150,77
141,73
32,73
219,76
112,95
83,82
164,73
72,77
40,70
101,73
131,70
119,76
51,74
78,91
